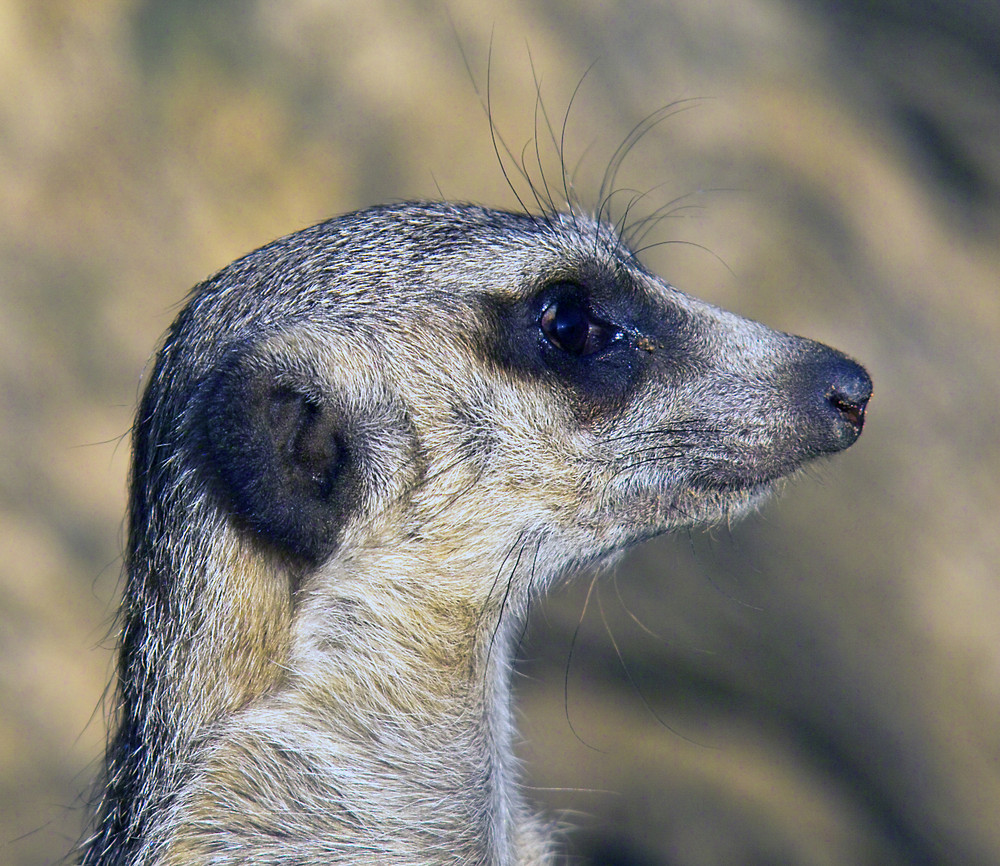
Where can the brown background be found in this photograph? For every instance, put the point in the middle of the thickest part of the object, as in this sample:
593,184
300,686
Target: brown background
819,685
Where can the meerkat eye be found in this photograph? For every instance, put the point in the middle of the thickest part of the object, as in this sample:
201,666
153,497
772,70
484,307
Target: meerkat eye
570,326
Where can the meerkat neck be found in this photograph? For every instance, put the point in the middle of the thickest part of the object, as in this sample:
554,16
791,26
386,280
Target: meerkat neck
422,674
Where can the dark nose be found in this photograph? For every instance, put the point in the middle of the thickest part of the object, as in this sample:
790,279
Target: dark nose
849,391
841,389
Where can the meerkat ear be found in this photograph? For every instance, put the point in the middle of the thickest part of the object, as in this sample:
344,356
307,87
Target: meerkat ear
282,453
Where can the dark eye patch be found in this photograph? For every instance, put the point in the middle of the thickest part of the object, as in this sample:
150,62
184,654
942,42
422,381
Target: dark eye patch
580,337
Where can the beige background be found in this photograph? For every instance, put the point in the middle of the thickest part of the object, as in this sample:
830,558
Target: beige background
820,685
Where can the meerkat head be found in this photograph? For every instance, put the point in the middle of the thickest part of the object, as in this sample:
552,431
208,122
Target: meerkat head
363,446
457,378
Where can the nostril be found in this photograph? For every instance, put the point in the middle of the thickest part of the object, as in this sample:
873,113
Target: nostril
849,395
854,413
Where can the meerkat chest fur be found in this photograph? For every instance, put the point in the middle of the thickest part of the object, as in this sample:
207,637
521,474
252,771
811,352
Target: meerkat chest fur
361,451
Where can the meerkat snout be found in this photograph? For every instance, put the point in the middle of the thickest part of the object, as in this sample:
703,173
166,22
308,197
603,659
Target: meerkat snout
838,393
361,450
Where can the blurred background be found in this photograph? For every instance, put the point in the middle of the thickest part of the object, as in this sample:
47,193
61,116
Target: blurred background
818,685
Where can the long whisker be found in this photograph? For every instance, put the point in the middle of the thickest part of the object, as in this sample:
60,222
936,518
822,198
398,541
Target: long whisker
569,664
519,544
628,610
635,135
540,109
676,429
531,591
632,680
567,180
500,146
638,464
670,209
671,449
638,252
496,579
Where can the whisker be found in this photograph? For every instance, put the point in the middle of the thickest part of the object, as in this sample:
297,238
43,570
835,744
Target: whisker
676,429
635,135
569,664
671,450
496,579
632,680
631,615
540,108
531,184
529,594
638,464
567,181
638,252
495,136
667,210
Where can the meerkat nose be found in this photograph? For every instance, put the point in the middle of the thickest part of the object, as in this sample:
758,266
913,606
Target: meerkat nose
848,392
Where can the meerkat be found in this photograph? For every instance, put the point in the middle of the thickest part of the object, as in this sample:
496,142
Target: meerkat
362,449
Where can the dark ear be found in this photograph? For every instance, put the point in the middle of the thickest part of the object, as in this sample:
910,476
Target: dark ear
281,453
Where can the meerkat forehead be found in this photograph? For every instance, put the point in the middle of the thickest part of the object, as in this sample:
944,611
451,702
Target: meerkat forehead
410,258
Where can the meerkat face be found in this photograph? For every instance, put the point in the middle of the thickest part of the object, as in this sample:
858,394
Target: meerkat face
458,376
